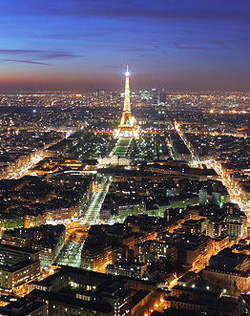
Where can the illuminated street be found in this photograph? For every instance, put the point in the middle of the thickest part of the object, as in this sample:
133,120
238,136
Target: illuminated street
92,213
20,173
71,254
22,169
237,194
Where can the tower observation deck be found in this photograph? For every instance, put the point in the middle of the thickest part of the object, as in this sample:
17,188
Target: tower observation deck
127,127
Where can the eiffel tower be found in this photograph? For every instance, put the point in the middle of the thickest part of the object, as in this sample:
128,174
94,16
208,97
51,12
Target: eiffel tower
127,127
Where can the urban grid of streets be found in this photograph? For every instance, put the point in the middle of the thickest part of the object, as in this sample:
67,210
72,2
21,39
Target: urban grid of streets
237,194
71,252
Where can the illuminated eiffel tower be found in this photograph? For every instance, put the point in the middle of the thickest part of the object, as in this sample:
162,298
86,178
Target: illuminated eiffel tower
127,127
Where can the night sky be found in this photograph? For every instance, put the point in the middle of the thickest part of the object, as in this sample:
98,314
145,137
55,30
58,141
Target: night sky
85,44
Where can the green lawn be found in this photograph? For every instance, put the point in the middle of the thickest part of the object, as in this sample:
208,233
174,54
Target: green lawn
122,147
123,142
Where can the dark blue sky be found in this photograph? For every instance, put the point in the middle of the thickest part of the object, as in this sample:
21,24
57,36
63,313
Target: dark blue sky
84,44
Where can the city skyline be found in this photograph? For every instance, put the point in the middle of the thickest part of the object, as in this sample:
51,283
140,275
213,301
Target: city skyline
140,212
86,46
124,158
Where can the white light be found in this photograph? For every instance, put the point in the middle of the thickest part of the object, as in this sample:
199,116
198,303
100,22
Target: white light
127,72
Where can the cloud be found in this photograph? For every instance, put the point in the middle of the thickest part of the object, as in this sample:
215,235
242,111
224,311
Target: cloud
187,10
41,54
135,49
161,14
188,47
36,57
19,51
239,44
92,34
27,62
60,55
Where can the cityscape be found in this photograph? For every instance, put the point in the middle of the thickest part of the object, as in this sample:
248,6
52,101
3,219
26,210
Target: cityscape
131,200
